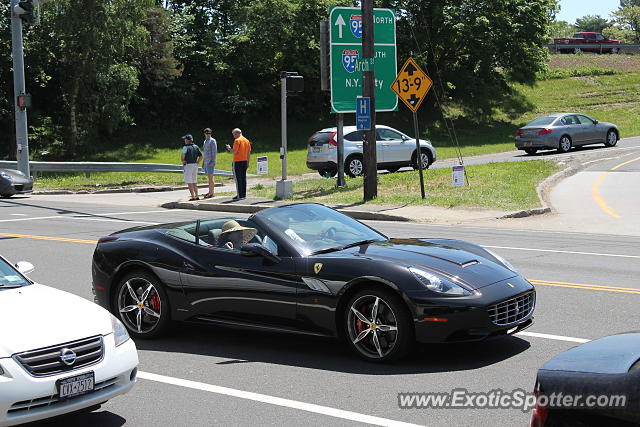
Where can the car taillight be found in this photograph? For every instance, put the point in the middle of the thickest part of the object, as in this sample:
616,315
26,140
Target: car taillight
332,140
544,132
540,413
106,239
518,132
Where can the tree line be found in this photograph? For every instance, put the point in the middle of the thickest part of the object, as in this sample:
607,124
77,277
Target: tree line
624,24
95,67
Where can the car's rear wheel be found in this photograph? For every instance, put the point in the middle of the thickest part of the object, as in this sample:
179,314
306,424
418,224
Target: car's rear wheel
328,172
564,145
615,50
354,166
378,325
577,50
393,169
612,138
6,196
531,151
142,304
424,157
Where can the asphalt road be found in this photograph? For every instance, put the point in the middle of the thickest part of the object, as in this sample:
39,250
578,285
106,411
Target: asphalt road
323,382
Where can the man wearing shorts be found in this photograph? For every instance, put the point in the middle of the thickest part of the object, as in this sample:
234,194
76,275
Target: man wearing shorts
191,155
210,149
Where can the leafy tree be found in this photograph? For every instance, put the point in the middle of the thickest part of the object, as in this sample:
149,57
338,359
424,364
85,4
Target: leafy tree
561,29
628,18
592,23
476,48
617,33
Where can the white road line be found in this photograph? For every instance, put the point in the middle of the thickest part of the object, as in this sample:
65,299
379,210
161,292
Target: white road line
553,337
562,252
272,400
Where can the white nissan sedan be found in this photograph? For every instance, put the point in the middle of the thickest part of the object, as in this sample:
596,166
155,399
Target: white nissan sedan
59,353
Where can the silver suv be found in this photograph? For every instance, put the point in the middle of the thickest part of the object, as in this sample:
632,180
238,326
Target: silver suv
394,150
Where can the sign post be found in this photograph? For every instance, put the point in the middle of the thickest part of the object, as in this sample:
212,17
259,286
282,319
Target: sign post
411,85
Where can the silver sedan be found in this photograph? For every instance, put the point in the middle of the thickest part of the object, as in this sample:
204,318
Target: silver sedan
563,131
14,182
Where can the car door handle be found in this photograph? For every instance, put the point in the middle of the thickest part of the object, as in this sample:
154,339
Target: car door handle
188,266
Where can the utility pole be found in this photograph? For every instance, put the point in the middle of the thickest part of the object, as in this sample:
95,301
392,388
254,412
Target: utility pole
18,11
368,90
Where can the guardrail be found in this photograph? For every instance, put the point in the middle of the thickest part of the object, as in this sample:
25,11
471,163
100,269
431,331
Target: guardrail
602,48
91,167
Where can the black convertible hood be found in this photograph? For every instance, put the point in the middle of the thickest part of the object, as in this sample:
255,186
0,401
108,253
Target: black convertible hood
439,256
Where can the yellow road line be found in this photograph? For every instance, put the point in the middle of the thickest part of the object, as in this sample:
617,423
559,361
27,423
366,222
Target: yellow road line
595,190
533,281
603,288
57,239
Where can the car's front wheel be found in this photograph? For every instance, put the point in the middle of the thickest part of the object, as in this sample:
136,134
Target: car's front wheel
328,172
564,145
142,304
354,166
378,325
612,138
424,158
531,151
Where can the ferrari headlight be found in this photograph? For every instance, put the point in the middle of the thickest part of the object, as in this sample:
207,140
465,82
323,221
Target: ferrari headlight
438,284
120,333
6,176
502,260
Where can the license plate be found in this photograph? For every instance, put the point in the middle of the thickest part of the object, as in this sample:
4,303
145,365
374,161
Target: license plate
316,149
528,144
76,386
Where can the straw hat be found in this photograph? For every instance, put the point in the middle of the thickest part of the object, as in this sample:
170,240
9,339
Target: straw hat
231,226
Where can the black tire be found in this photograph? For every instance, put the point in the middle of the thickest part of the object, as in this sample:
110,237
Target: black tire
393,169
6,196
328,173
611,139
564,145
354,166
426,159
531,151
614,51
391,313
156,301
577,50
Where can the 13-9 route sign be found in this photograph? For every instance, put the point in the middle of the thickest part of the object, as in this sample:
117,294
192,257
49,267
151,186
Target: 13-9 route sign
411,85
345,37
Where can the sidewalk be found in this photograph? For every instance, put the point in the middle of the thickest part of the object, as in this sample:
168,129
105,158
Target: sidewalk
358,211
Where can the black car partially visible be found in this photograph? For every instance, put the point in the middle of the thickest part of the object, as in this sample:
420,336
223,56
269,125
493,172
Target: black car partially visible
14,182
594,384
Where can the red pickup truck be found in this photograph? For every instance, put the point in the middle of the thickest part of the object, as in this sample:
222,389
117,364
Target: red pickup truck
600,43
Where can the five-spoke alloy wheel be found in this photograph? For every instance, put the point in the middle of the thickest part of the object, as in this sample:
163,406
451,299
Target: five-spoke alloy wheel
564,145
141,304
354,166
612,138
377,326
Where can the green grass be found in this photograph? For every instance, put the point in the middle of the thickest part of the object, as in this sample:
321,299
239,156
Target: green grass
504,186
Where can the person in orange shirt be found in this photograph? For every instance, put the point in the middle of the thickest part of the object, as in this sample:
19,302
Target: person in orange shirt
241,154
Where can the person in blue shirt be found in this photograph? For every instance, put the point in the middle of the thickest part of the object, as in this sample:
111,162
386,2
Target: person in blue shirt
210,150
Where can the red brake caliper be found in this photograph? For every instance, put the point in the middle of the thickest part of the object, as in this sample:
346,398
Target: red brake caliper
155,302
359,323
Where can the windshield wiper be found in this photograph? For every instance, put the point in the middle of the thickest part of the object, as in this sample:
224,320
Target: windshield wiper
340,248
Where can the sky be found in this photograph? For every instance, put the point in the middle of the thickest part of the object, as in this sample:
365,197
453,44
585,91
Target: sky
570,10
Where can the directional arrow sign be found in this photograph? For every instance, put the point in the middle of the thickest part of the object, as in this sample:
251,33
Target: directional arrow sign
347,62
411,85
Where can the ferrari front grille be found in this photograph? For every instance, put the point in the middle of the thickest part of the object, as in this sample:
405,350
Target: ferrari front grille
513,310
62,357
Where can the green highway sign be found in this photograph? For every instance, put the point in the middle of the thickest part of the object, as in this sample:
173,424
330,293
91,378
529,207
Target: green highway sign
347,64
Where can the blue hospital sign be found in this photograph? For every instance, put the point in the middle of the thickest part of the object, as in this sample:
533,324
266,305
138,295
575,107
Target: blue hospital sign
363,113
349,59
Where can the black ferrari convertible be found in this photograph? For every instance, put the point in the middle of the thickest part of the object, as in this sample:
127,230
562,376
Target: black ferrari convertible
306,268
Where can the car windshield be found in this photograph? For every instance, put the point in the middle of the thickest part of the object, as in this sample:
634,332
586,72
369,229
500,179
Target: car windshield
9,277
542,121
315,228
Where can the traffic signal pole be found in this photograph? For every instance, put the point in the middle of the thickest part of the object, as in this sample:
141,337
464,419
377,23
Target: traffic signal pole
17,50
368,90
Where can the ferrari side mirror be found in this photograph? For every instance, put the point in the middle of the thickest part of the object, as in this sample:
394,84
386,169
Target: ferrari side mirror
24,267
256,249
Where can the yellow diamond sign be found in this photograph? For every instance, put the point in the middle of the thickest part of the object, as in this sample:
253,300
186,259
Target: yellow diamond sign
411,85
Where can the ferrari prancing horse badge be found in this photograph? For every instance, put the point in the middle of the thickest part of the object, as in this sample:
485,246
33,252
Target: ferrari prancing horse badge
317,267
